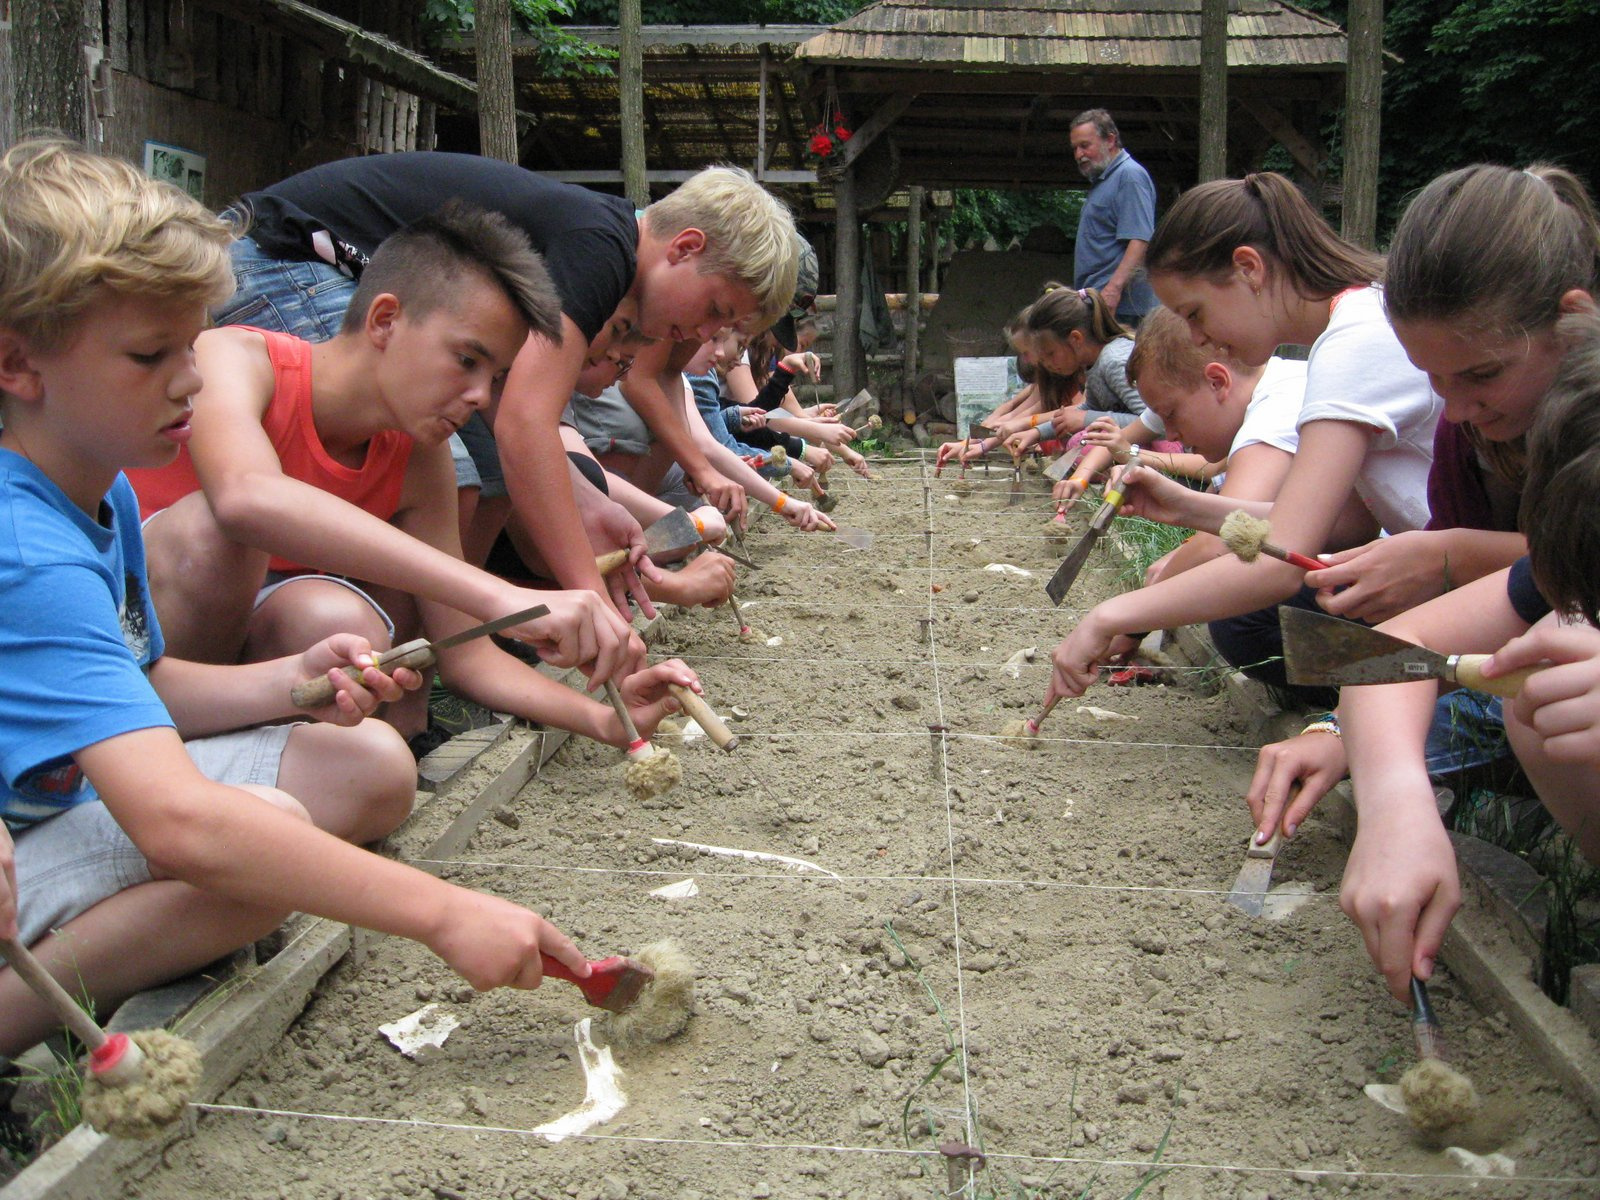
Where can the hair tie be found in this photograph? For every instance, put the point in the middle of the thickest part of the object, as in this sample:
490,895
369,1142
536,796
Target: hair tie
1083,294
1048,288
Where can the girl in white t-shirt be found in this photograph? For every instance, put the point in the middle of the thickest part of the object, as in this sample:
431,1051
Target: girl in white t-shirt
1249,265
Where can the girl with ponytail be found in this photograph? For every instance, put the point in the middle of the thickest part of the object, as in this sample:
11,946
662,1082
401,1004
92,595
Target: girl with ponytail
1250,265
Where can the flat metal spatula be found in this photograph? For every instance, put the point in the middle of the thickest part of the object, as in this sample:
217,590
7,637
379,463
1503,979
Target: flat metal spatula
1326,650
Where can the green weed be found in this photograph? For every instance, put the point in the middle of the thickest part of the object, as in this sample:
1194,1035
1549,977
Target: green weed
921,1121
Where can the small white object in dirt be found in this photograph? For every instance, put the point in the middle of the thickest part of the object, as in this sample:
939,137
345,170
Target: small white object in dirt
775,640
975,541
1484,1165
682,890
745,605
691,731
1287,898
1008,569
426,1028
1104,714
1013,665
798,864
603,1097
1387,1095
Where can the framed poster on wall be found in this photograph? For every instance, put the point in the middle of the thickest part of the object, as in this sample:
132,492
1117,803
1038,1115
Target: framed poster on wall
175,165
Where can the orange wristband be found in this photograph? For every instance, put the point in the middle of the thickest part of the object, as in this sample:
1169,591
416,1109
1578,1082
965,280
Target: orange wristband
1033,421
782,500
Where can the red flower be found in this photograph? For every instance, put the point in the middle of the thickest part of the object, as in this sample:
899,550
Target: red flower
821,145
842,134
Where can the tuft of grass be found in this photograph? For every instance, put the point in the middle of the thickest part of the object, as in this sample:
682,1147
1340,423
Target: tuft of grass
1145,543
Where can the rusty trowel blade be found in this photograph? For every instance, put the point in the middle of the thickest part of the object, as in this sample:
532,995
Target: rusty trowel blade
1319,649
675,531
1062,467
858,407
1249,893
1061,582
1015,498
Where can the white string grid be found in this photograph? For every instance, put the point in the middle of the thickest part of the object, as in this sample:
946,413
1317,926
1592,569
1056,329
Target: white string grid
954,880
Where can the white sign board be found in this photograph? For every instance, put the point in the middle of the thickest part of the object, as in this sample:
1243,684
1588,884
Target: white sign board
982,385
175,165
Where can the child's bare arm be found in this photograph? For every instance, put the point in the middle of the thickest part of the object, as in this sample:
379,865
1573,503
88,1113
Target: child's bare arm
651,388
1400,884
8,885
231,842
1387,576
206,699
1256,473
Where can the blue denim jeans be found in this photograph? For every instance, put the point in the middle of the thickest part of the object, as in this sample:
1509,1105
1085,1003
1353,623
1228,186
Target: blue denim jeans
1468,730
307,299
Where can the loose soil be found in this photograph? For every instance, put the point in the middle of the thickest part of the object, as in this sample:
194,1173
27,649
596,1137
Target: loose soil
1036,939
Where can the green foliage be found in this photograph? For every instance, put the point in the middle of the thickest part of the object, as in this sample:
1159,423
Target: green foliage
1514,76
983,213
560,52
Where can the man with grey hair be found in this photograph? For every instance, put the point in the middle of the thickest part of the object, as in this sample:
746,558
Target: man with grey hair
1118,218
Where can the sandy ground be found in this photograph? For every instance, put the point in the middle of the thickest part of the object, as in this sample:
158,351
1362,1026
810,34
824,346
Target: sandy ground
1027,953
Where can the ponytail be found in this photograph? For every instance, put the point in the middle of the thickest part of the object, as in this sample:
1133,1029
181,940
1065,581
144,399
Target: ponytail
1265,211
1060,310
1494,248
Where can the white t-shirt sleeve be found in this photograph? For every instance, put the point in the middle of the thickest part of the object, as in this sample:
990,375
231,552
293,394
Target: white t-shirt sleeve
1273,416
1358,372
1153,423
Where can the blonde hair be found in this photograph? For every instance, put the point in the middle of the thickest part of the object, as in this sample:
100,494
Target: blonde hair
1163,348
75,225
750,234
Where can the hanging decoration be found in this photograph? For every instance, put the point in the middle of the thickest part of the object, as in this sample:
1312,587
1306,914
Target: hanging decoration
832,132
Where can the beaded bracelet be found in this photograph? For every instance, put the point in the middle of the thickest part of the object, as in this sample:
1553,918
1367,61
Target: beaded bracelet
1328,723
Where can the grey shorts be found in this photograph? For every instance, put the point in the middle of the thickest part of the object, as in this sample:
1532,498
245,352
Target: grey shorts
608,423
477,459
71,862
277,579
675,491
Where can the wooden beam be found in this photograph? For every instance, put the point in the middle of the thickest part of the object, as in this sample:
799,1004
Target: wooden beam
604,175
913,297
848,360
338,39
1084,85
630,79
884,116
1300,148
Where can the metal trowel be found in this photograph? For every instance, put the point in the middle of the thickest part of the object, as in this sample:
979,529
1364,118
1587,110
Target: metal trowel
1320,649
1062,467
856,539
1250,889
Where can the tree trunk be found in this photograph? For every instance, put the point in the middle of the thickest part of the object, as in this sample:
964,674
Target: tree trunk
630,77
497,91
1363,94
1213,89
51,86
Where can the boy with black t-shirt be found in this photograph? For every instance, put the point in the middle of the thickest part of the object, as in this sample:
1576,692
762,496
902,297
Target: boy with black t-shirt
719,250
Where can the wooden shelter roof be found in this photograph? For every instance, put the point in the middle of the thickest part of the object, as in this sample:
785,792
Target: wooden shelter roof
989,87
702,104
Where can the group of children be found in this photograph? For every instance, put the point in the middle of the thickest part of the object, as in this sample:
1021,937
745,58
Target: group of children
1434,451
196,518
240,453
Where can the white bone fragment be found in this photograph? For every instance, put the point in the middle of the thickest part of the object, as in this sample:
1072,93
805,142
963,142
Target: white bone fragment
798,864
426,1028
682,890
603,1097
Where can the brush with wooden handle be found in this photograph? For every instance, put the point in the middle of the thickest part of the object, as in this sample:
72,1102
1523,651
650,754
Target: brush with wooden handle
705,717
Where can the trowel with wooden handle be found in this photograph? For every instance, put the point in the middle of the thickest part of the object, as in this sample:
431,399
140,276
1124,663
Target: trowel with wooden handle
1320,649
1249,893
417,655
1061,582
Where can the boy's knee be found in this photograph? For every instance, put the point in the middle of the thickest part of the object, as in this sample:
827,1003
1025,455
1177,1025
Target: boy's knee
391,774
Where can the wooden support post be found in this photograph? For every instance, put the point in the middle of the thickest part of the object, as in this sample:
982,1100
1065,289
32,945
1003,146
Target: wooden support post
630,77
849,363
761,121
913,287
1363,92
497,89
1213,89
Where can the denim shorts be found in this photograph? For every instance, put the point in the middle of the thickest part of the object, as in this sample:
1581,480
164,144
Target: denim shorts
68,863
307,299
477,458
